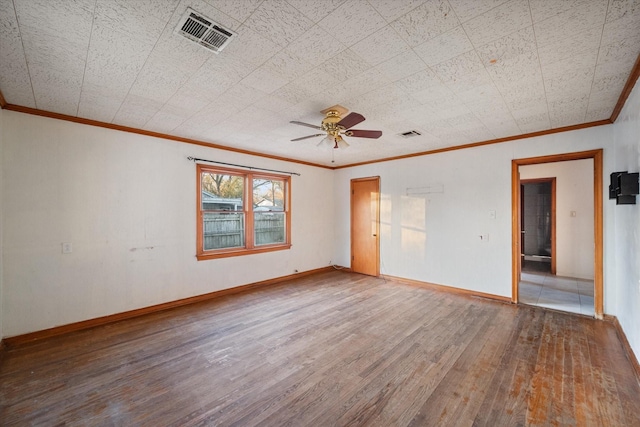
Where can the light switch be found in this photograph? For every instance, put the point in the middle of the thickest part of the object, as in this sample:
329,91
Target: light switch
492,214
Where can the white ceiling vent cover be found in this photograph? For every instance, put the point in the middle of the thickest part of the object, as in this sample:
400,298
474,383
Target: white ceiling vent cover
204,31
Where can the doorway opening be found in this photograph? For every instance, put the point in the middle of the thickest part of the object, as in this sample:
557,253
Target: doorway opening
538,225
596,244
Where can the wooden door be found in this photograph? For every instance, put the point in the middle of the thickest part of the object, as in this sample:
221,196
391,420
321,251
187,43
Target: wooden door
522,233
365,220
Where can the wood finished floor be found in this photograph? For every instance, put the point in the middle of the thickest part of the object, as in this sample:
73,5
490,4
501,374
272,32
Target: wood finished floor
333,349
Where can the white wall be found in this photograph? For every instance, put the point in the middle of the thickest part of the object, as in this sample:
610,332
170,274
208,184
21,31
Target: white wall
574,235
435,238
625,224
127,204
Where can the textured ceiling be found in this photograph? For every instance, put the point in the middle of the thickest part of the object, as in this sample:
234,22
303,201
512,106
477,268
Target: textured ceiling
458,71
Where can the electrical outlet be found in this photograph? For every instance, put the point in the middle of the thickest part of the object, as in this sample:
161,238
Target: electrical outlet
67,248
492,214
484,237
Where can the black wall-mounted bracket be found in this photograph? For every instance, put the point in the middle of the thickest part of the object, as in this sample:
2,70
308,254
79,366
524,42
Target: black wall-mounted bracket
624,187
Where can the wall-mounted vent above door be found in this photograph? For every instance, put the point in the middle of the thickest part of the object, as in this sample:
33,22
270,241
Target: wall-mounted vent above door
204,31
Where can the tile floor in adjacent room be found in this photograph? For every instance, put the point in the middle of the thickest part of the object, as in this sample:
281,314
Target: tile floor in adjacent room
558,293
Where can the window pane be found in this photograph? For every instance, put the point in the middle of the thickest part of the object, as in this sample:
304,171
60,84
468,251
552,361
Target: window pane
241,212
221,192
269,228
223,230
268,195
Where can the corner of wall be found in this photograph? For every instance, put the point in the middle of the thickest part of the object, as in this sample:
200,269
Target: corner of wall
625,219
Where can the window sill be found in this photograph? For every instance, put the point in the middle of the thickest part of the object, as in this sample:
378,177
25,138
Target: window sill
241,252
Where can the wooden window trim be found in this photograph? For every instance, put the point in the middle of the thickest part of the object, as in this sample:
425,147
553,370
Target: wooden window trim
247,209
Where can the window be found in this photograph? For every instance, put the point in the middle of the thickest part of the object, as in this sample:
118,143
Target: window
241,212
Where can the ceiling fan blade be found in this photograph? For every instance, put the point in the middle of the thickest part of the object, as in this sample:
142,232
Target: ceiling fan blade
360,133
309,136
305,124
351,119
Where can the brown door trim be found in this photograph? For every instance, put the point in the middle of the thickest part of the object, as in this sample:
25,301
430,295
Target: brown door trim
553,215
596,155
377,222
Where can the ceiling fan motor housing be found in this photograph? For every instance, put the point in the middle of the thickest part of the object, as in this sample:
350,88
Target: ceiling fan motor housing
330,123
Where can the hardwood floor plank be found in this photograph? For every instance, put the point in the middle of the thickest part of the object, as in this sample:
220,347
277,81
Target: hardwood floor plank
334,348
611,388
451,404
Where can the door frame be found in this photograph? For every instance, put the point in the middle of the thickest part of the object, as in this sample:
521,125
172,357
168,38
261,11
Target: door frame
351,193
553,214
598,279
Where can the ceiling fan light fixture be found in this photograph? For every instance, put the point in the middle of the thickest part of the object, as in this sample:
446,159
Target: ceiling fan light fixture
326,140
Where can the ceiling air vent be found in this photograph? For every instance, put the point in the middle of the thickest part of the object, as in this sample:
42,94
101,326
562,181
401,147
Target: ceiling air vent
410,134
204,31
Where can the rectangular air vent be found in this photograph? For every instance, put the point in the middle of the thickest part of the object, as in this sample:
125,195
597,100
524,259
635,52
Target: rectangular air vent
204,31
410,134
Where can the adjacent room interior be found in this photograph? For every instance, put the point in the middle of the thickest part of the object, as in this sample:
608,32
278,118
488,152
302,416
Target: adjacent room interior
558,250
319,213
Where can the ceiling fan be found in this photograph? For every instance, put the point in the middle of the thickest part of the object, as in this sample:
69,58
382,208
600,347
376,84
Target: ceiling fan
335,126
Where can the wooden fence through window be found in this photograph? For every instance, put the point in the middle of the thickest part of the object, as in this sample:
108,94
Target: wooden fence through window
226,230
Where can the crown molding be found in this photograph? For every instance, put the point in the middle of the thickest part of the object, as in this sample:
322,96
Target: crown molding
626,91
80,120
482,143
